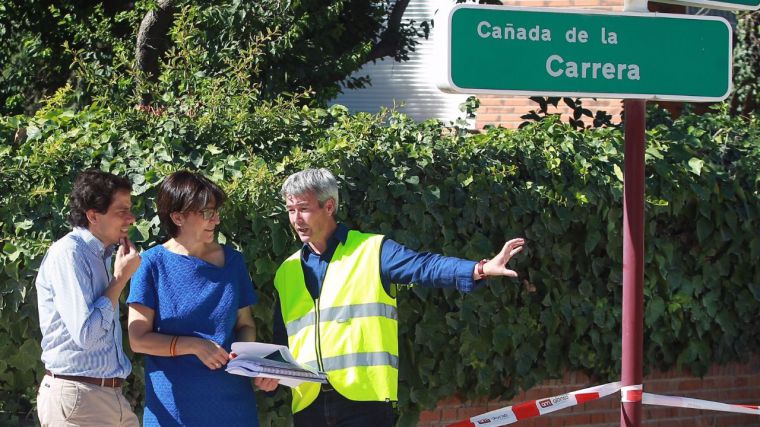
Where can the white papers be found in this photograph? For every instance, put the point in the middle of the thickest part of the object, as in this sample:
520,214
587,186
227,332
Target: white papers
255,359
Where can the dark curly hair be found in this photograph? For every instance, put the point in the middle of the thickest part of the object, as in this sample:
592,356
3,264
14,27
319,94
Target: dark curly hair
185,191
93,189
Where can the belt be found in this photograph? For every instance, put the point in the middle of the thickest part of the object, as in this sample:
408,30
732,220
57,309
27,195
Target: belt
103,382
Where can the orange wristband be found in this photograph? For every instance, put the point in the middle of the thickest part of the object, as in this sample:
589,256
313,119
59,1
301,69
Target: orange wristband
480,269
173,346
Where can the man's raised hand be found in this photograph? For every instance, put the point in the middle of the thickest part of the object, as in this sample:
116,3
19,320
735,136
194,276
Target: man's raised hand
497,266
127,261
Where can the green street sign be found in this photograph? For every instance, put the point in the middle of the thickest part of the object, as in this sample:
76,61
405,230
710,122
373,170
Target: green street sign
555,52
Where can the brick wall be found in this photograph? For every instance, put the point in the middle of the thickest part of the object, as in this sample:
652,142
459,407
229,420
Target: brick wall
732,383
506,111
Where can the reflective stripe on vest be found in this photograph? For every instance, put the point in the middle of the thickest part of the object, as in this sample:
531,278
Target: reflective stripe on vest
353,335
356,359
343,314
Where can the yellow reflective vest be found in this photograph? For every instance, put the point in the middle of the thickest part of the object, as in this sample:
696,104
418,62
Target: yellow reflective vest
350,331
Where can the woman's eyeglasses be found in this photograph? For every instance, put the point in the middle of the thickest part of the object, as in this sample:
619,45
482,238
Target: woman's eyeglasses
209,214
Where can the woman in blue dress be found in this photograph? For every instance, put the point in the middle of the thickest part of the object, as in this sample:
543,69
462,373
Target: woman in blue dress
188,302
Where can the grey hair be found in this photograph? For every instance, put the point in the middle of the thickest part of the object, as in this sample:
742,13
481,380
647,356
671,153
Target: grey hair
320,181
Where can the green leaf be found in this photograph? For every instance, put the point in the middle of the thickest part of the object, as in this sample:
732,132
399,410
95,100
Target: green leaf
655,308
618,172
213,149
592,239
143,228
26,224
704,229
9,248
33,133
696,165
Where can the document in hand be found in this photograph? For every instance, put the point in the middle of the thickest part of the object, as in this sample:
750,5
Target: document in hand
256,359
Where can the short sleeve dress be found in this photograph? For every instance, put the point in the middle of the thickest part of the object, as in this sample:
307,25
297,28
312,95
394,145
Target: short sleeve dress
192,297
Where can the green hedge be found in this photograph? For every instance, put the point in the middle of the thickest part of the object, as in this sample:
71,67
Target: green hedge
431,188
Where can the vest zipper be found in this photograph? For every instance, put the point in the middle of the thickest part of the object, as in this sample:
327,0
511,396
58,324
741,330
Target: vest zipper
317,337
317,340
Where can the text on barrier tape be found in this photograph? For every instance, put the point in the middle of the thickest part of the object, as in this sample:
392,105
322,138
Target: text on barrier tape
534,408
631,393
687,402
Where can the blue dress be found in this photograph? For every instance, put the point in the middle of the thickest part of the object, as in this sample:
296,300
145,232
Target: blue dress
192,297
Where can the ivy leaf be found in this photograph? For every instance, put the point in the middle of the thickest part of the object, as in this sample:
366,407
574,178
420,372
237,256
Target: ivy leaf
11,252
143,228
592,239
32,133
696,165
704,229
280,240
655,308
711,302
23,225
553,351
618,172
654,152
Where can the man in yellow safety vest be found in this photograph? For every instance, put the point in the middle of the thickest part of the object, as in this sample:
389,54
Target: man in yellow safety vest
336,309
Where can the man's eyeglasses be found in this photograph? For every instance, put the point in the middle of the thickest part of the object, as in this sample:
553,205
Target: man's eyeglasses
208,214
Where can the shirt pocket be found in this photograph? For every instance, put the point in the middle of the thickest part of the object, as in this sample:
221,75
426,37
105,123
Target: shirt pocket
71,395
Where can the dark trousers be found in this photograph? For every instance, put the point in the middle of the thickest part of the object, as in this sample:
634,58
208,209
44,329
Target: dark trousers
331,409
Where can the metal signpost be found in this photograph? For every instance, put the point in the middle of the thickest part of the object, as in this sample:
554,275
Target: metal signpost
633,55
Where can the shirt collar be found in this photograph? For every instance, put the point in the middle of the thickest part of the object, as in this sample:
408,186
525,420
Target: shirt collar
340,235
93,242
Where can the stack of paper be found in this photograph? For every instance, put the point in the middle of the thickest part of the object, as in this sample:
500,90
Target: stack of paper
256,359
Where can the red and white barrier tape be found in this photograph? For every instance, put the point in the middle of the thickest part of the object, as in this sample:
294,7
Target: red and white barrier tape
634,393
534,408
686,402
631,393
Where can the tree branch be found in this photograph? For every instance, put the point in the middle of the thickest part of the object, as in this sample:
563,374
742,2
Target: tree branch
152,41
391,41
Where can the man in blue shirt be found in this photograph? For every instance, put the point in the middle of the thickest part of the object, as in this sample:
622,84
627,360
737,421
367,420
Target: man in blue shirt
78,302
319,320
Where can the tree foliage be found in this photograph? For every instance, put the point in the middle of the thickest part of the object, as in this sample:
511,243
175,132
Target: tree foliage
311,46
34,59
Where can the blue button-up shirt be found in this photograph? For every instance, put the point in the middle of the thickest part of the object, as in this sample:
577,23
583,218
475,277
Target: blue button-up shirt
81,333
398,264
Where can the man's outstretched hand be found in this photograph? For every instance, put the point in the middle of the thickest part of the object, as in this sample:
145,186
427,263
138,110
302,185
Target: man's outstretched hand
497,266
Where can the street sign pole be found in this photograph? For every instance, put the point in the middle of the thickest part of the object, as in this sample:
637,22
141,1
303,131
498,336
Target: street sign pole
633,257
634,185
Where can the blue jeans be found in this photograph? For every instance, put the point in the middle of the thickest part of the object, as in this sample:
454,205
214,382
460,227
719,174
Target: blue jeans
331,409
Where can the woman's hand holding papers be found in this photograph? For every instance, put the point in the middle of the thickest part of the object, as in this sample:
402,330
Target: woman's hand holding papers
210,353
262,383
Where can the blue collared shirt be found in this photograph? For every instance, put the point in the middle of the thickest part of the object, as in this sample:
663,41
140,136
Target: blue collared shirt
398,264
81,333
